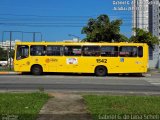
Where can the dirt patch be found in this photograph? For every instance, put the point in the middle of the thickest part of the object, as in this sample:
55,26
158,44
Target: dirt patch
64,107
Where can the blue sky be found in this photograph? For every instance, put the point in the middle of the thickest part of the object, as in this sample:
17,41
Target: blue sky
56,19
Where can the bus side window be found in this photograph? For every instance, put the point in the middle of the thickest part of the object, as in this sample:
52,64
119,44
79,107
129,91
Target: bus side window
53,50
22,52
72,50
109,51
38,50
140,51
91,50
128,51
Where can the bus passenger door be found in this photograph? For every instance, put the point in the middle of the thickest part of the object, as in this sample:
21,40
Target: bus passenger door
22,61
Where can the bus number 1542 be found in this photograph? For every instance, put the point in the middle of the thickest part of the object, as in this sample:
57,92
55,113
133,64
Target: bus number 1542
101,60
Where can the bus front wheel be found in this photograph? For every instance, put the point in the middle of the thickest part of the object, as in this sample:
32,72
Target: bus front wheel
101,71
36,70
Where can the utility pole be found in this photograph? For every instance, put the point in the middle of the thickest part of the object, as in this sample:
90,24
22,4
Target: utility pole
10,64
34,36
10,45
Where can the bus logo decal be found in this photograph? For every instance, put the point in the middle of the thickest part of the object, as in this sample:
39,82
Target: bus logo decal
72,61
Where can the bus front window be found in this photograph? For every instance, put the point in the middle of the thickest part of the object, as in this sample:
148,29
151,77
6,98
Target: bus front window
22,52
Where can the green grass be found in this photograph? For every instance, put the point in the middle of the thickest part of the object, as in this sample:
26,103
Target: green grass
108,106
24,106
6,69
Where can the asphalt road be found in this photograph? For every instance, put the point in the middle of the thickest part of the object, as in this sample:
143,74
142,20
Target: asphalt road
80,83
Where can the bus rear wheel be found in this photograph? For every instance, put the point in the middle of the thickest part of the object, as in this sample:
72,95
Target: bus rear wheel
101,71
36,70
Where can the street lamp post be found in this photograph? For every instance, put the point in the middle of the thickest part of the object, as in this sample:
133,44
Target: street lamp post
75,36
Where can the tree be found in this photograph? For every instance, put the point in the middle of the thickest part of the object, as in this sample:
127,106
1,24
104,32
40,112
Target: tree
3,54
144,37
102,29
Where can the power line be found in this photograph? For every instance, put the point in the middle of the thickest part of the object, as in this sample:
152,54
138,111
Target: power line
44,25
46,16
27,15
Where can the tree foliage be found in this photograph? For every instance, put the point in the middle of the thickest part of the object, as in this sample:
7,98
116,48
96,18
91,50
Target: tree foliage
4,54
144,37
102,29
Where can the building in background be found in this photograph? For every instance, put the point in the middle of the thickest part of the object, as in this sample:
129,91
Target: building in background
73,40
146,15
140,14
154,28
154,17
6,44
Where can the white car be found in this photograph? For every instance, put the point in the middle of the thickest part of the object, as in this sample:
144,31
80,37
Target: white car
3,63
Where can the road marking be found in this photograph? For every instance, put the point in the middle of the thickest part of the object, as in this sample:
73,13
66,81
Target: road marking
155,83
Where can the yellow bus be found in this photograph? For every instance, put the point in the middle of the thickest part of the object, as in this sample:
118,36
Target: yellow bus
81,57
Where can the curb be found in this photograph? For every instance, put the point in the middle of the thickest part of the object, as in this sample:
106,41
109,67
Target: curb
154,73
10,73
147,75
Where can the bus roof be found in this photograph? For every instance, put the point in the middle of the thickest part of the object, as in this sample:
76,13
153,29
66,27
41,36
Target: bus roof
79,43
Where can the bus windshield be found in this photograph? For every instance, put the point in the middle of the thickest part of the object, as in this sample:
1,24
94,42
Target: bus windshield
22,52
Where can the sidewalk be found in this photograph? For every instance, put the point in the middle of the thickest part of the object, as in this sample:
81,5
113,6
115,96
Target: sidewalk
64,107
9,73
154,71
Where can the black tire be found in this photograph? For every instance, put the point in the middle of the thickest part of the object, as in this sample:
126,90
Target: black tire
36,70
101,71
